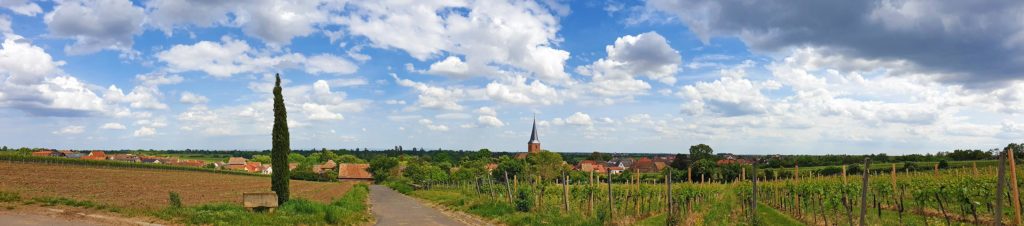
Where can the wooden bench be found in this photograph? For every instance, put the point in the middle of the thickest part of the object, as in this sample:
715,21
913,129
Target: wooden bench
259,201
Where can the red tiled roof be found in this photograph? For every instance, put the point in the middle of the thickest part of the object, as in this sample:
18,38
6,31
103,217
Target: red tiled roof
42,153
253,167
236,161
733,161
354,171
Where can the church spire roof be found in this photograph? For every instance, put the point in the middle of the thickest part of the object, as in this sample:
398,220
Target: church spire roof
533,136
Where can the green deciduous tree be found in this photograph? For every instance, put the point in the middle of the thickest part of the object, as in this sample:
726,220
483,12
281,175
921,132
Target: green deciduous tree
382,168
700,151
261,159
280,146
546,164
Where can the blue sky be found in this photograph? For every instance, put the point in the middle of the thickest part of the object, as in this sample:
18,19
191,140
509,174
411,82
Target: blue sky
764,77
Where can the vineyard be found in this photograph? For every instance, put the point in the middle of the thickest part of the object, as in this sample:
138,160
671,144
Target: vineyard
968,195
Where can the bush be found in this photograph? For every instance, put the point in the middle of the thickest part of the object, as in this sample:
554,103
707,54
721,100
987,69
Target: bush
401,185
524,200
9,197
311,176
350,209
175,200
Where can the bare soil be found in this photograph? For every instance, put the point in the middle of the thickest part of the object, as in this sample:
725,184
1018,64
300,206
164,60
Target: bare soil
146,188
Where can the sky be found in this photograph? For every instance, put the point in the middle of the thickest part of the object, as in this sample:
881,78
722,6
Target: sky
656,76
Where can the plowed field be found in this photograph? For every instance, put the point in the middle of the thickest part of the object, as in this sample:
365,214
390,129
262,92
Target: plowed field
146,188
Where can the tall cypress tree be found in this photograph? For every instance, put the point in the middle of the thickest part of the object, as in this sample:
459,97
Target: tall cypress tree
280,149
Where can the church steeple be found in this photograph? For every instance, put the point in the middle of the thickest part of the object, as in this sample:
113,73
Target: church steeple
534,145
533,136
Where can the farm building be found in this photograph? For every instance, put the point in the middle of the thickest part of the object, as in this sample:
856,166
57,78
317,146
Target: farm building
236,163
124,158
74,155
45,153
192,163
354,172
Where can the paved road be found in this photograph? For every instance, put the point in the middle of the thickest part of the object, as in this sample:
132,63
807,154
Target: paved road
35,220
393,208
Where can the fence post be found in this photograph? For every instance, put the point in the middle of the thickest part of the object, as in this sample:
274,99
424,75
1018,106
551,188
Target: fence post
753,195
864,192
1000,183
1013,185
565,192
671,211
590,205
508,189
611,213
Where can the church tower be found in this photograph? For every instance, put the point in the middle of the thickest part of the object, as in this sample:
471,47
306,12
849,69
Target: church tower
534,145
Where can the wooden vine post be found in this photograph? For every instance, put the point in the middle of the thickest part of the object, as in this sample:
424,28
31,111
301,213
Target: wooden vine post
689,174
590,204
611,211
743,173
896,198
974,165
1000,184
565,192
671,210
864,193
936,169
847,203
1013,185
636,199
515,184
753,194
508,189
796,197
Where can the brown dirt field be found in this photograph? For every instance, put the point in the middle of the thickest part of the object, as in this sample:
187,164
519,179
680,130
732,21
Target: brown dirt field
146,188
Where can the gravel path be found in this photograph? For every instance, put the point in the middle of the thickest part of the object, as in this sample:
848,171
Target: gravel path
33,220
393,208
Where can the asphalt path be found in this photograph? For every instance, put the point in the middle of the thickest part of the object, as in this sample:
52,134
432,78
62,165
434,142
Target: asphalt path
393,208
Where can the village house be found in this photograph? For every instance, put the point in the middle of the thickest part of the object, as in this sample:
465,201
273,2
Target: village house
269,169
491,167
96,155
354,172
253,167
590,166
327,166
623,162
616,169
646,165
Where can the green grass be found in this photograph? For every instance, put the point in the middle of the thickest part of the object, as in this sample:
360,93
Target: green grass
348,210
9,197
769,216
502,211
